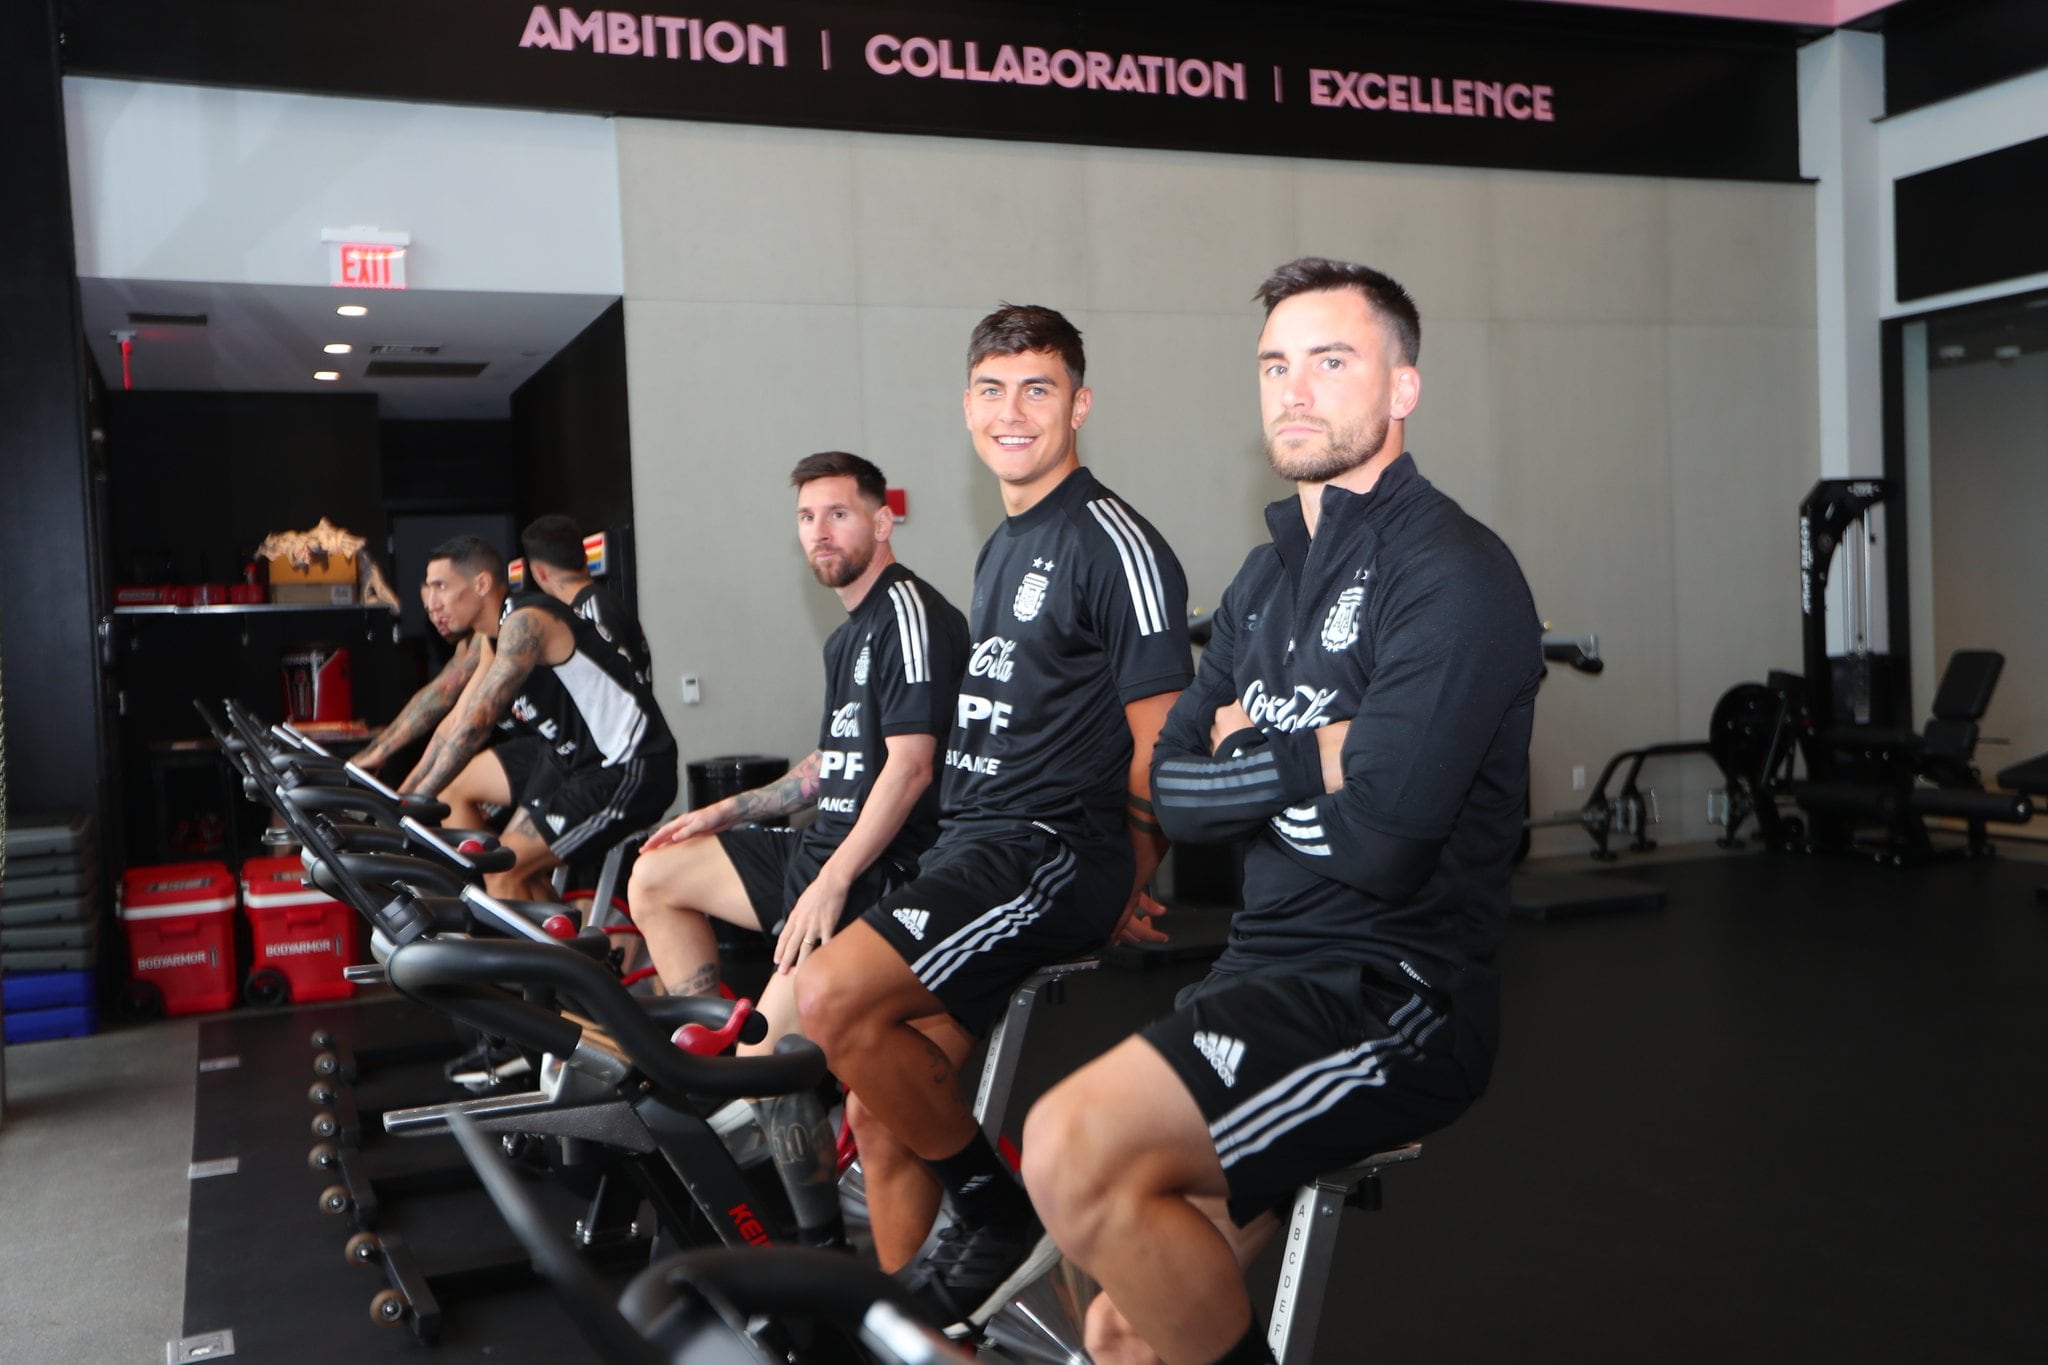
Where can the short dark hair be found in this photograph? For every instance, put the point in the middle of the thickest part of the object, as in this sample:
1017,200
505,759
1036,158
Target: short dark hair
837,464
556,541
1317,274
1015,328
470,555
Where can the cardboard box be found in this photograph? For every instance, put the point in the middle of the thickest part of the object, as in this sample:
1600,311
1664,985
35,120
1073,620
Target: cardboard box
320,569
314,594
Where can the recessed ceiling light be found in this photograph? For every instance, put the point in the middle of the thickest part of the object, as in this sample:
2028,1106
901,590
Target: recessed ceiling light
337,348
327,376
352,310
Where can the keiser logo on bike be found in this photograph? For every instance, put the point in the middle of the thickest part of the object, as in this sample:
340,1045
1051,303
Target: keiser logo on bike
747,1225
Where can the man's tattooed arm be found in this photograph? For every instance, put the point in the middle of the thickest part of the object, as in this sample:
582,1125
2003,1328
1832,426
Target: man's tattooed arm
520,643
427,706
786,795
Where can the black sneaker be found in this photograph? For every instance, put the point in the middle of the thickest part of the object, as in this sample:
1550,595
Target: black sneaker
975,1268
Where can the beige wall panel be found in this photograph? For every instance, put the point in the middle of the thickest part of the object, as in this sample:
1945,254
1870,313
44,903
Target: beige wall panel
1745,448
1429,227
1741,254
724,591
1179,232
1460,442
1586,497
953,223
913,363
1578,248
721,212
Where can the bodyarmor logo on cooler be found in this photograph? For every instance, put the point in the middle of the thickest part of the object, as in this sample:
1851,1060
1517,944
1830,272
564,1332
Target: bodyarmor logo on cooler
1302,709
197,957
991,659
1340,627
1030,596
314,945
860,667
846,721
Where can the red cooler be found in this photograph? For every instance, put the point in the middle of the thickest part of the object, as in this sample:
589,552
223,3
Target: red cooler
181,934
300,937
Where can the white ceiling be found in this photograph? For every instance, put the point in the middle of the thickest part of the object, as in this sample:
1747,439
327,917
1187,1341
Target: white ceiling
268,339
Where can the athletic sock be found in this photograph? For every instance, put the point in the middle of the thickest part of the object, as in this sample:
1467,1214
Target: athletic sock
978,1184
1251,1348
806,1160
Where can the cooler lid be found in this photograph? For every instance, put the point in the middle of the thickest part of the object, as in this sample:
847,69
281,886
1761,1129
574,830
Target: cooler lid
176,889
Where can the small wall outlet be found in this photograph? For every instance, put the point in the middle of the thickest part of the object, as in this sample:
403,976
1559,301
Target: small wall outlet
1578,777
693,689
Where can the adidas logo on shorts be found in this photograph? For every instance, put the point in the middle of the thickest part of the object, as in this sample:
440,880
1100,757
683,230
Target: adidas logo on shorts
914,921
1223,1053
557,823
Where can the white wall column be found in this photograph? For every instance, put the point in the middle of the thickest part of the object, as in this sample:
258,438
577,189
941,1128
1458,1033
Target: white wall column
1841,95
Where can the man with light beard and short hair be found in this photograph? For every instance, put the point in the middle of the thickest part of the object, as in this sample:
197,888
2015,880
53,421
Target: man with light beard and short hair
1356,1006
892,670
1081,645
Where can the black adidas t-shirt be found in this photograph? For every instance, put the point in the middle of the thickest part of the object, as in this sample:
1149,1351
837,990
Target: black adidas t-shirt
596,605
1079,609
893,668
595,708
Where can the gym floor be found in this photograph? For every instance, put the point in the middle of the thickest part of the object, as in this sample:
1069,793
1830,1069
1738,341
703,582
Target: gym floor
1793,1115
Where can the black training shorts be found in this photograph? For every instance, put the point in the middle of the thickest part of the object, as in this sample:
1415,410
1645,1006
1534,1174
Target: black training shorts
777,865
584,810
992,903
1305,1069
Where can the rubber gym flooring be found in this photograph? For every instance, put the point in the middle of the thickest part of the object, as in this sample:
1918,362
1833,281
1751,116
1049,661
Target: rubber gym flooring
1795,1115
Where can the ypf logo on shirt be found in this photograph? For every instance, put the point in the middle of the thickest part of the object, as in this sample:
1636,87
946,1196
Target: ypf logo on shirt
860,667
1030,596
1340,627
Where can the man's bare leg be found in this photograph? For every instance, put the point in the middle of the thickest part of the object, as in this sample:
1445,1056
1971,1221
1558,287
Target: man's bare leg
1110,1338
528,879
856,998
482,780
903,1195
675,892
1112,1157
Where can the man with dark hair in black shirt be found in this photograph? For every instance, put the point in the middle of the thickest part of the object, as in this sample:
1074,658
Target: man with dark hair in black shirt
587,753
892,670
1080,623
1362,713
557,565
464,584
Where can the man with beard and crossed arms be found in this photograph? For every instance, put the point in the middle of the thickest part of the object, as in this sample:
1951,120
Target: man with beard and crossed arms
1080,623
892,670
1363,713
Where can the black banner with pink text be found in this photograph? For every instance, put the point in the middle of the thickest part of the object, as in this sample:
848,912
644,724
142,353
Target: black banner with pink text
1689,98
